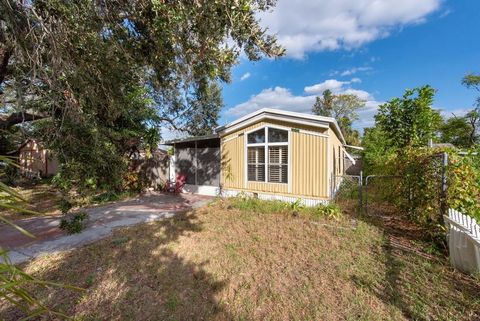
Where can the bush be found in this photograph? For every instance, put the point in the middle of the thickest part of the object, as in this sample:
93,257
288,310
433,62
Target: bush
74,223
330,211
64,205
464,185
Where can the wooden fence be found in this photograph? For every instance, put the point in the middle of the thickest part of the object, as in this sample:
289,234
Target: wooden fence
463,241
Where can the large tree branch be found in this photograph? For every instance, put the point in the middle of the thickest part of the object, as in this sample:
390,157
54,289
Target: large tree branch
16,118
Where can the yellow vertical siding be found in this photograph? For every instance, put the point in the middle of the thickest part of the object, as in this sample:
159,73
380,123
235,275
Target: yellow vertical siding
308,163
233,170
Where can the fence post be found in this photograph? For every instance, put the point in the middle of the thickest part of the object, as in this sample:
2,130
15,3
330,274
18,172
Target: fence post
360,195
443,204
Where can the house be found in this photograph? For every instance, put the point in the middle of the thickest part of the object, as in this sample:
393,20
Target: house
34,159
270,154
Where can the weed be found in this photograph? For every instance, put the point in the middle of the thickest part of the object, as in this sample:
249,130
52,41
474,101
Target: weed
90,280
120,240
108,196
329,211
74,223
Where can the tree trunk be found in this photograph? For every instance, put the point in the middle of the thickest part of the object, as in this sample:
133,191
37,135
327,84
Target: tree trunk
5,54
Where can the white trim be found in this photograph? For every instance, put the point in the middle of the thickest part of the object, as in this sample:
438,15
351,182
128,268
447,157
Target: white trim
267,157
277,144
230,129
245,159
289,174
201,189
278,112
354,147
349,157
266,144
282,115
329,169
310,202
255,144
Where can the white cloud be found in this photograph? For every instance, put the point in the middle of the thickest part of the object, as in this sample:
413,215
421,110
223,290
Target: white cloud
458,112
335,86
245,76
331,84
316,25
278,97
282,98
354,70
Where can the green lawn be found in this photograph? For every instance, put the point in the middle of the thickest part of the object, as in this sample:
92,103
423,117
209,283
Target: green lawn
226,263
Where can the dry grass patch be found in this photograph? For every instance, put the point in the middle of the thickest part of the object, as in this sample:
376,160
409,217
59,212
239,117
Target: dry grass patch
41,198
222,263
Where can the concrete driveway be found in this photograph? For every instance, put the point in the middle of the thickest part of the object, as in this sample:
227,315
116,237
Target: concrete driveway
102,219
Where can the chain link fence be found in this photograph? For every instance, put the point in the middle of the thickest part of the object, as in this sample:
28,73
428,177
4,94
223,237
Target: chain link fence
378,190
347,188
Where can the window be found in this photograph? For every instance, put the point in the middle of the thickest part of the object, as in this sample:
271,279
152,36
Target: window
277,135
278,164
267,155
257,137
256,164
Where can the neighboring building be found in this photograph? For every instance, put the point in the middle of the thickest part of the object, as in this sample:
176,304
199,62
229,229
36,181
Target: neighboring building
34,159
271,154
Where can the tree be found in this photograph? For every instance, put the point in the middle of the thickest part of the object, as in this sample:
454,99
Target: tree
107,75
410,120
342,107
377,151
473,117
324,105
456,130
338,106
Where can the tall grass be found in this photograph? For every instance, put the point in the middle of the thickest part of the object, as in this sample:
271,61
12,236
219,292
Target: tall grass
252,204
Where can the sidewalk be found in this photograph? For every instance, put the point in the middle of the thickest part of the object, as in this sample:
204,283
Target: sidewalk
102,220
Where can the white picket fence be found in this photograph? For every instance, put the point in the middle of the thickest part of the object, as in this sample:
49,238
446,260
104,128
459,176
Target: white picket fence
463,241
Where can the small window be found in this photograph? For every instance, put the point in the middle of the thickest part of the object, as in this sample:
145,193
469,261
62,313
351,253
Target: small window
278,164
257,137
256,164
277,135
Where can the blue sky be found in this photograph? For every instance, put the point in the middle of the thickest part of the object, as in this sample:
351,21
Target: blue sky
374,49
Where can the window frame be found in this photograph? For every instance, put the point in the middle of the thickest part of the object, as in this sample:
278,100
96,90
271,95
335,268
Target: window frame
265,145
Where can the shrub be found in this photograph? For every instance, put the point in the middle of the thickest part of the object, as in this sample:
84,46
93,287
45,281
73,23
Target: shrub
64,205
464,185
330,211
420,186
132,181
74,223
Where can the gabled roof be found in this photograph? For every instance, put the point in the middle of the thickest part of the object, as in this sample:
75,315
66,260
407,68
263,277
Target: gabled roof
277,114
